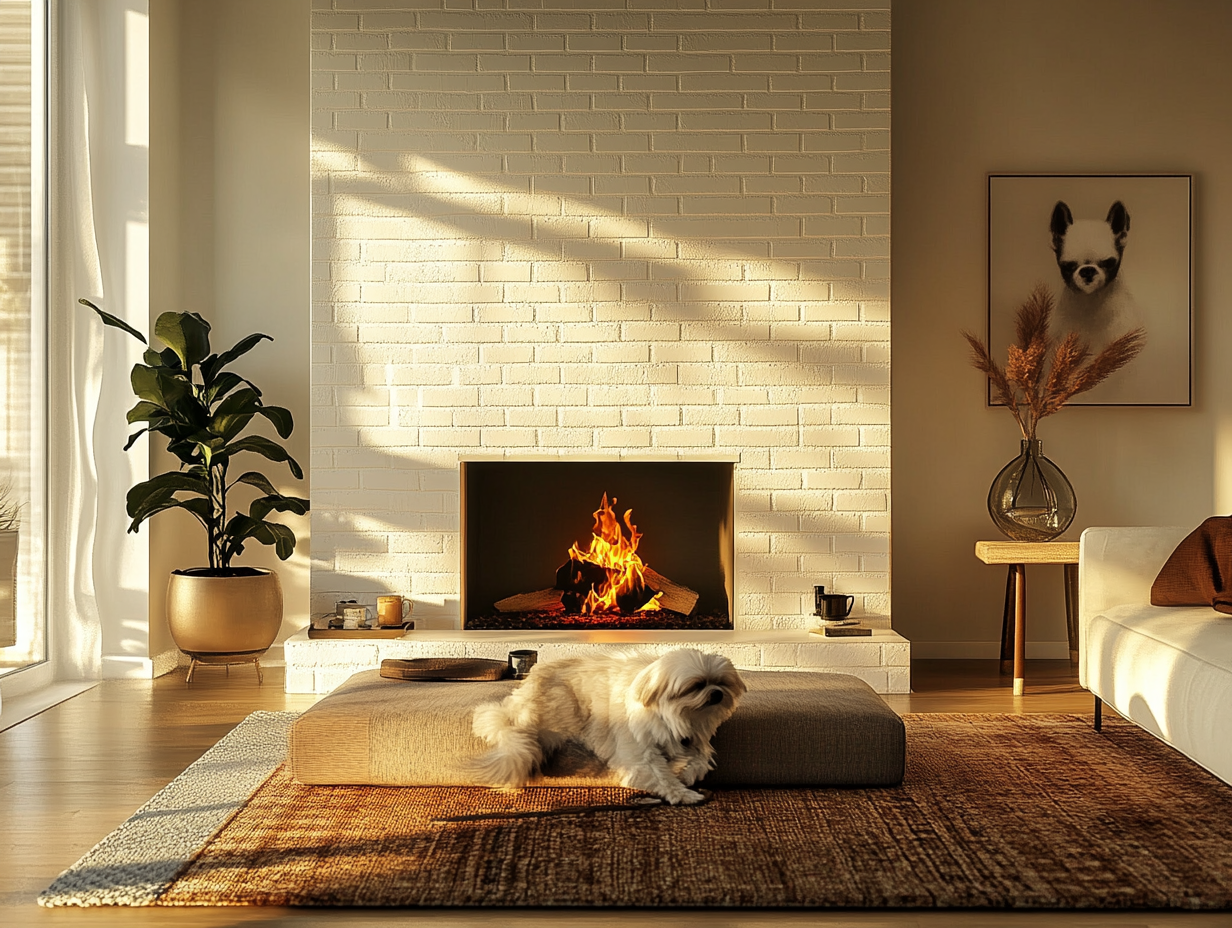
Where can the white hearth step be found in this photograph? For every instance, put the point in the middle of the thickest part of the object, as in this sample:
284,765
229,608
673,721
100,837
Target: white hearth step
883,661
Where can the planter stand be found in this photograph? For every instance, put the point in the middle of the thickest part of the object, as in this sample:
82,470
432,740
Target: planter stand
225,660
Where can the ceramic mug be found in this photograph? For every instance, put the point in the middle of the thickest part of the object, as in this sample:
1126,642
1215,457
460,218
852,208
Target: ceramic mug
353,615
835,605
392,610
521,662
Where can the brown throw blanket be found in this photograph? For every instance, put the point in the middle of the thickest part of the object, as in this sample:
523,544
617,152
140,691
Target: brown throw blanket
1199,571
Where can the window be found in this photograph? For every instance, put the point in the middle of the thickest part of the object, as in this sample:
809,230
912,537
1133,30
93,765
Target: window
22,342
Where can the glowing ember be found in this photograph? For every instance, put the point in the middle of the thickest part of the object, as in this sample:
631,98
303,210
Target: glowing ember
611,567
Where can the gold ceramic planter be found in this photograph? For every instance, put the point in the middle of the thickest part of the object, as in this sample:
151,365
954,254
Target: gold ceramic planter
214,618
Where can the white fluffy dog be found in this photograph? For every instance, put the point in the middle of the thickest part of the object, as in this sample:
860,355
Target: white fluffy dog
649,719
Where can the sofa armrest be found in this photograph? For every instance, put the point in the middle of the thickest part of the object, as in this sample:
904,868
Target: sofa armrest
1117,566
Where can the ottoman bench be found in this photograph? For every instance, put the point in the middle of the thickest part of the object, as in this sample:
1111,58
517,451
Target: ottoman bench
791,729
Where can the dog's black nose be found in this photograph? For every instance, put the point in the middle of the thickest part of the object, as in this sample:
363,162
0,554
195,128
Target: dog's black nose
716,697
1087,273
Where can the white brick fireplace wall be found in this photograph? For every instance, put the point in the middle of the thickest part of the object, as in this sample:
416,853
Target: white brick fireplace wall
602,229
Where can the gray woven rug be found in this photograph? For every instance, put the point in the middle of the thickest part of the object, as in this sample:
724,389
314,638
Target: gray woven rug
139,861
996,811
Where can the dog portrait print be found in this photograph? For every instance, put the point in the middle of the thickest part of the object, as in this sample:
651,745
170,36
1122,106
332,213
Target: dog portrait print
1114,252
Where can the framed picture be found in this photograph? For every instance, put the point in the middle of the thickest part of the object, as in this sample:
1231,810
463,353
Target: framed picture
1115,251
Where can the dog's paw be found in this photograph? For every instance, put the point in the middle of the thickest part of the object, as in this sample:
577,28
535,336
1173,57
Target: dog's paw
687,797
692,773
694,770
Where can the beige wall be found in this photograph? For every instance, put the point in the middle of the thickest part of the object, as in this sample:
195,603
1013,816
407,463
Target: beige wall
1047,86
230,228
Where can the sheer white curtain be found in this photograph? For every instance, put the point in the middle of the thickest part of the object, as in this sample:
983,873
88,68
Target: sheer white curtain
99,575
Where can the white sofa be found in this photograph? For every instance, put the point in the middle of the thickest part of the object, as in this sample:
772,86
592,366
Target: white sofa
1167,668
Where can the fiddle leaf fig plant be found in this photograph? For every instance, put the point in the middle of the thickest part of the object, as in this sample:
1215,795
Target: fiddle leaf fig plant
185,394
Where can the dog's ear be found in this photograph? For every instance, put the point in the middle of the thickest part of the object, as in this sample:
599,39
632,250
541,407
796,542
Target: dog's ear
648,686
1062,219
1118,219
735,683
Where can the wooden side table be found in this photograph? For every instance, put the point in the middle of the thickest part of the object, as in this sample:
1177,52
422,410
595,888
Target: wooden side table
1017,555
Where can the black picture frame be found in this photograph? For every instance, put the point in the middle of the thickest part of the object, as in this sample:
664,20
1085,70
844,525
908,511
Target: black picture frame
1128,266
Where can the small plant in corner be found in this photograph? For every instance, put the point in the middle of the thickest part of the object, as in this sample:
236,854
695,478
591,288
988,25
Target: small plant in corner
10,511
186,394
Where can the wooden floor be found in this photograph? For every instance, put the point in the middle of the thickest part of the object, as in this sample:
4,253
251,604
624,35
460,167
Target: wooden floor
75,772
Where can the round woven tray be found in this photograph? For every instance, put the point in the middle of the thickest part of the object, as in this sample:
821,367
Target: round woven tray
460,669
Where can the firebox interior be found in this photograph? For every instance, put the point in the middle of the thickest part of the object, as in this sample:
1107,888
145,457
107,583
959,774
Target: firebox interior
519,519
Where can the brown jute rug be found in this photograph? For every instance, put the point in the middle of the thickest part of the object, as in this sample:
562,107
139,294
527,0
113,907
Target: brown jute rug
996,811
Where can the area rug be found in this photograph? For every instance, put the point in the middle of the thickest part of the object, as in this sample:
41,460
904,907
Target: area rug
996,811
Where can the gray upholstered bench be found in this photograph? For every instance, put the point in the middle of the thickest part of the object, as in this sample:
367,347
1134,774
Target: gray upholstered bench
791,729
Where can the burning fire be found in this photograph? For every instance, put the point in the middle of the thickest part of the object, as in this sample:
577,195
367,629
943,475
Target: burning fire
622,588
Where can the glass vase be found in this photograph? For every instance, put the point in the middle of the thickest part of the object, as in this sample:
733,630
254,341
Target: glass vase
1031,500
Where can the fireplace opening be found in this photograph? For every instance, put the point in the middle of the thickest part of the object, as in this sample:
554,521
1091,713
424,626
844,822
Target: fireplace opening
597,545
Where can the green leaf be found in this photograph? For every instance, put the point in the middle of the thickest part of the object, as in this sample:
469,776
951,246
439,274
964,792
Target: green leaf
212,449
234,413
145,384
267,533
212,365
158,493
187,334
115,322
266,448
144,411
281,418
276,502
258,480
284,539
221,386
172,392
165,358
163,486
185,449
198,507
133,438
241,401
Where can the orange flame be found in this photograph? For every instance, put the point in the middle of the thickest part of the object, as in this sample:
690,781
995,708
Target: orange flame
616,554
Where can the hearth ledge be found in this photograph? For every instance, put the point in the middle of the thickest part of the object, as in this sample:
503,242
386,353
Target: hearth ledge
883,661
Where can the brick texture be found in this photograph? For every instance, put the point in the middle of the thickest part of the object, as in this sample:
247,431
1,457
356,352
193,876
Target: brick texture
600,229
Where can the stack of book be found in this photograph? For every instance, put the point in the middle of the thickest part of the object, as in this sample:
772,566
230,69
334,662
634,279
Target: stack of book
842,628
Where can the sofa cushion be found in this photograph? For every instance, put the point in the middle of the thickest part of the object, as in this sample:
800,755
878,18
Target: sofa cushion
1198,631
791,728
1199,571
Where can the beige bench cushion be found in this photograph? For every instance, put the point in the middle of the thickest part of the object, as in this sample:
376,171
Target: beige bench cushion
791,729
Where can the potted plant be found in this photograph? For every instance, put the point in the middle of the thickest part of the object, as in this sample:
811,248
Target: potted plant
220,613
10,524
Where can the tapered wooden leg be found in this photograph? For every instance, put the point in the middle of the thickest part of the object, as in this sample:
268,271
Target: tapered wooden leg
1071,610
1020,628
260,676
192,666
1099,714
1007,623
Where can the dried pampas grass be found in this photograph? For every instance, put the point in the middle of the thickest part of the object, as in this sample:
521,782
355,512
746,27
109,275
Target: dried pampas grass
1040,375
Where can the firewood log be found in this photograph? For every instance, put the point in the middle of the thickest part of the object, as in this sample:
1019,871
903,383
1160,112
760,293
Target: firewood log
675,597
538,601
